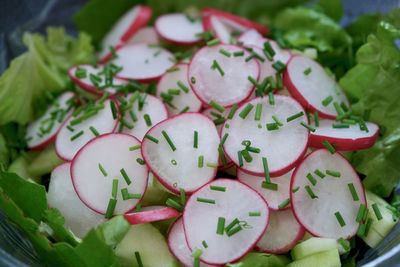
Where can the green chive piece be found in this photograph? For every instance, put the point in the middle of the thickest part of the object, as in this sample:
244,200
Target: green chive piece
311,179
200,162
223,140
183,87
327,101
225,53
275,118
319,173
368,226
295,116
340,219
204,243
269,185
272,126
252,80
246,143
234,230
329,146
193,80
266,170
126,195
147,119
216,66
80,73
70,128
220,226
172,69
138,259
309,127
151,138
182,196
213,42
94,131
140,161
243,114
310,192
307,71
257,116
361,230
238,54
294,190
113,110
353,191
253,149
240,158
114,188
377,212
173,162
102,170
340,126
284,203
232,224
173,204
333,173
360,213
112,203
268,50
271,98
254,213
279,81
195,139
196,255
246,155
216,106
206,200
279,66
76,136
218,188
316,119
232,111
212,165
133,148
185,109
125,176
219,121
338,109
169,141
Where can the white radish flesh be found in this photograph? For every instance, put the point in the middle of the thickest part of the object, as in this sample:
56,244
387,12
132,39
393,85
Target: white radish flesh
319,207
282,147
221,30
175,91
274,197
246,217
220,78
143,62
179,29
43,131
308,83
282,234
73,137
344,139
151,214
176,163
147,35
108,160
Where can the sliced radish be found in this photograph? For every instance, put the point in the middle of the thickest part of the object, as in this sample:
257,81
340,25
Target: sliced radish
276,197
62,196
86,83
175,91
147,35
151,214
282,147
178,28
326,207
109,170
344,139
178,246
228,216
282,234
43,131
173,153
125,27
81,128
222,79
308,83
225,33
143,62
144,113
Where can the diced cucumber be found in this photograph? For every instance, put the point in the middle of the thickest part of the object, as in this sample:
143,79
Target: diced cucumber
329,258
156,193
44,162
311,246
151,245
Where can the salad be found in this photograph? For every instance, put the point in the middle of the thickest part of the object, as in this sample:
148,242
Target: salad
201,137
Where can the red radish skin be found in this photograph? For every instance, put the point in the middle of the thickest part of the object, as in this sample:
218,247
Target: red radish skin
147,35
151,214
318,215
282,234
310,90
236,202
111,151
185,99
34,142
288,143
209,85
159,157
347,139
176,28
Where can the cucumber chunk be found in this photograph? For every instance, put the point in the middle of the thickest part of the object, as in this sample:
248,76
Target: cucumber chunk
312,246
329,258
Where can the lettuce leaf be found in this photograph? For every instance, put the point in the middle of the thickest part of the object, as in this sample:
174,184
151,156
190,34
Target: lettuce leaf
42,68
254,259
4,153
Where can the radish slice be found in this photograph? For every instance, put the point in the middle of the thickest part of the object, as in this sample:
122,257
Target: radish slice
125,27
61,195
245,215
43,131
143,62
178,28
222,79
319,207
282,147
151,214
282,234
174,89
109,167
147,35
73,137
273,197
344,139
225,33
170,152
86,83
313,90
145,112
178,246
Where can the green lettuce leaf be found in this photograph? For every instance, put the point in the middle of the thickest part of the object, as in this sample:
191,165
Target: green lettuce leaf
262,260
332,8
4,153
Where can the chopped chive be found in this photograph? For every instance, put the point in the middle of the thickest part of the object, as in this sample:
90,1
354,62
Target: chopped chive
253,149
319,173
310,192
182,196
279,82
195,139
212,165
193,80
111,207
238,53
147,119
232,111
206,200
94,131
340,219
217,106
275,118
218,188
185,109
102,170
183,87
113,110
252,80
284,203
271,98
254,213
246,155
204,243
219,121
333,173
360,213
125,176
133,148
200,161
272,126
151,138
338,109
80,73
114,190
174,162
216,66
227,126
126,195
307,71
140,161
76,136
316,119
266,170
225,53
340,126
220,226
213,42
368,226
138,259
353,191
309,127
327,101
269,185
246,143
70,128
234,230
95,79
311,179
295,116
279,66
329,146
223,140
243,114
294,190
169,141
377,212
269,50
133,116
361,230
240,158
196,255
172,69
173,204
257,116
